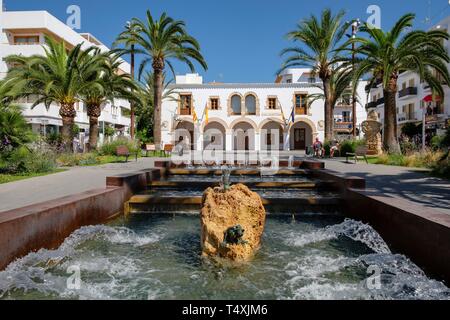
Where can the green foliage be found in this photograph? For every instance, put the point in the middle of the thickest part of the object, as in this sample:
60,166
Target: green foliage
410,129
75,129
53,138
349,146
437,142
14,130
24,161
445,143
327,147
427,159
78,159
109,131
442,167
109,148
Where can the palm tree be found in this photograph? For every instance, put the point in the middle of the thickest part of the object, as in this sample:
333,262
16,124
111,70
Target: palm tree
129,39
54,78
340,86
162,41
144,106
102,70
14,130
320,39
385,55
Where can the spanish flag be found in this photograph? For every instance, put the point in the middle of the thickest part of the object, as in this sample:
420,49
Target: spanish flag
206,115
282,115
194,115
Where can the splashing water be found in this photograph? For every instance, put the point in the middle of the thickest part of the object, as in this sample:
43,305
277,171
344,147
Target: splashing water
155,257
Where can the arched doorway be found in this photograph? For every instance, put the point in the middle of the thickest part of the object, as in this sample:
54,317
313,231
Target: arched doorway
214,136
243,136
272,136
301,136
184,133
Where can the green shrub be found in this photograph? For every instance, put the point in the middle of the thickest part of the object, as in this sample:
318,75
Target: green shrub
77,159
109,148
411,129
442,167
23,161
349,146
327,147
427,159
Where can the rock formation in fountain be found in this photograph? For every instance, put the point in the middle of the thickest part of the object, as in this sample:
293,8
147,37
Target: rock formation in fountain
232,222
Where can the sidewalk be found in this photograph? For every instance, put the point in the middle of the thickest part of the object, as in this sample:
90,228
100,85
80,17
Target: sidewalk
405,183
76,180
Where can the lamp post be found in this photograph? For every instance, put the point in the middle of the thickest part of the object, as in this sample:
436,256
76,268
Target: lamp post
355,26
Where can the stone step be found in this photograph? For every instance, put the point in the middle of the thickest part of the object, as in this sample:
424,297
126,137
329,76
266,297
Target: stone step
206,184
147,203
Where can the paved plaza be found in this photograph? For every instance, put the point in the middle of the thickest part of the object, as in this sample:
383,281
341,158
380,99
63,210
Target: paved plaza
410,184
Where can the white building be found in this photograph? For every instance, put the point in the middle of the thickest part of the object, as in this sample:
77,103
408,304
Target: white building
412,99
23,32
251,116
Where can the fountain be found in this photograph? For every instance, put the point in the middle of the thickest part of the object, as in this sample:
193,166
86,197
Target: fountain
232,221
310,250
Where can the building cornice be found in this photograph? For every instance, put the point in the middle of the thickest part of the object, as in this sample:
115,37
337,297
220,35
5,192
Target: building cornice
243,86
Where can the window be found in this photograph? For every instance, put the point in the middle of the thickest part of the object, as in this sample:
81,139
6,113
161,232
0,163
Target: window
311,80
412,83
250,104
346,116
408,111
272,103
26,40
289,81
236,104
214,103
185,104
301,104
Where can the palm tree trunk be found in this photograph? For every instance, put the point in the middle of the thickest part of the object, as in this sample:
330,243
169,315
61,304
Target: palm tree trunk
93,133
67,113
93,111
329,123
158,67
390,142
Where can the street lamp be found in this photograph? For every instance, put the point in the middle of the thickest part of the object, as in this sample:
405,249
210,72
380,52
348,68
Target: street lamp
132,129
355,27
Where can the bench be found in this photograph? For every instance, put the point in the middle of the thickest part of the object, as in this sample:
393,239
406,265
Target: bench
168,148
149,148
359,152
123,151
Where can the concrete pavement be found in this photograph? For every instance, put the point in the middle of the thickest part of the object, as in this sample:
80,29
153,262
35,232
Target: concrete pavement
76,180
405,183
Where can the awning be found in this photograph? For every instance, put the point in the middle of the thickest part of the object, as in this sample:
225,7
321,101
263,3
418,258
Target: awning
430,98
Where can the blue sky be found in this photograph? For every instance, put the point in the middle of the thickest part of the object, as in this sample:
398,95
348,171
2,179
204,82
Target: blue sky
240,39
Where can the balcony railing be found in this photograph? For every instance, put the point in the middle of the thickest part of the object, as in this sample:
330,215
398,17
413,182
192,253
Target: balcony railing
409,116
371,105
380,101
374,85
185,111
344,125
411,91
302,111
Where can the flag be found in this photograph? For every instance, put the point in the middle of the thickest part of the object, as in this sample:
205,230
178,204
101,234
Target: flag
282,115
206,115
293,115
194,116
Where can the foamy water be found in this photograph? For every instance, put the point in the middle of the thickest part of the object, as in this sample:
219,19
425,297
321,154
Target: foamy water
158,258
